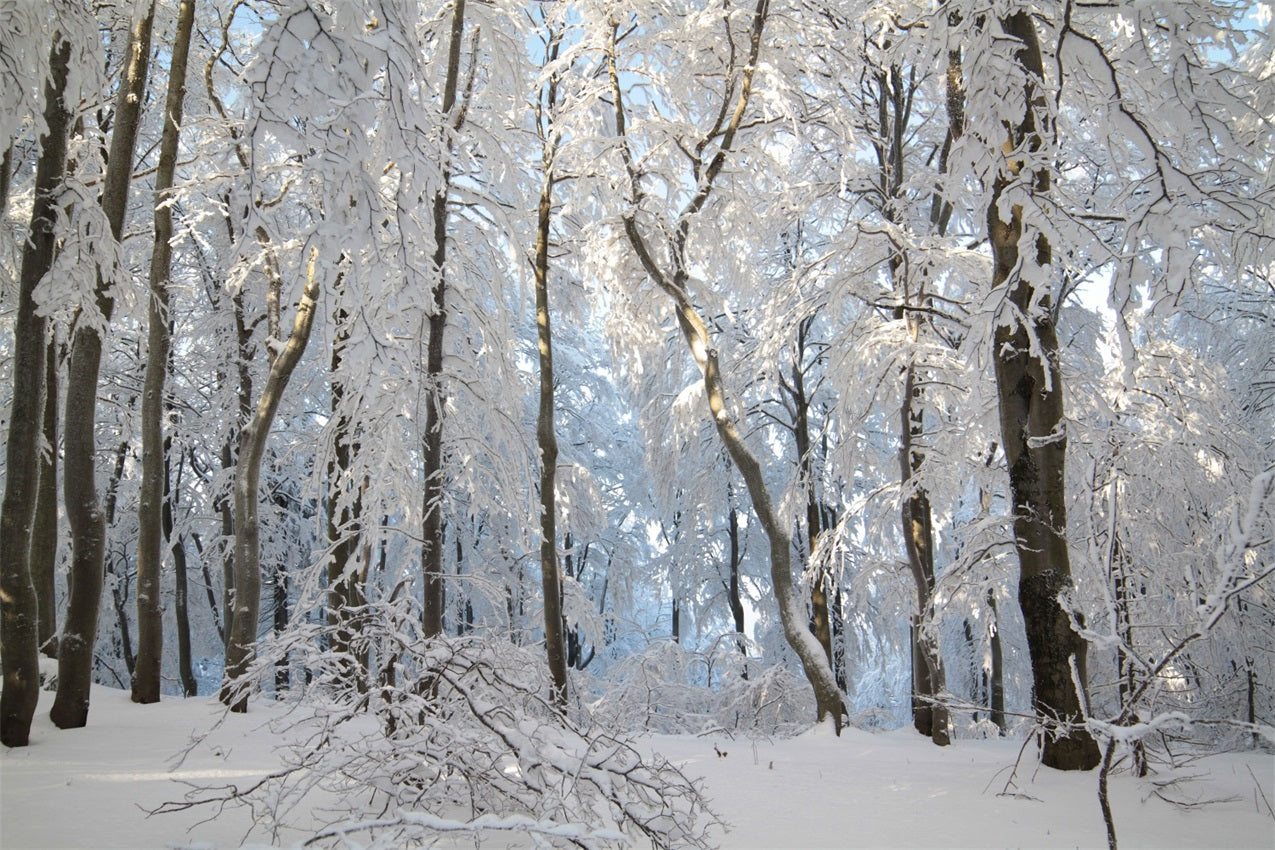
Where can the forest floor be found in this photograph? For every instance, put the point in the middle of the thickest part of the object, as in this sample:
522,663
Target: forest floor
93,787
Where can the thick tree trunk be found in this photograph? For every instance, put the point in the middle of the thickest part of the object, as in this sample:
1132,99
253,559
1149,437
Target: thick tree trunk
150,557
432,503
1033,431
241,635
83,510
19,623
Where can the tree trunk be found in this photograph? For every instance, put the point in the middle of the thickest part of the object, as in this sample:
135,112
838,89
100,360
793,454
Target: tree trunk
828,700
733,594
181,586
83,509
918,537
820,621
19,623
345,531
546,436
44,533
241,634
434,601
997,676
1030,391
150,557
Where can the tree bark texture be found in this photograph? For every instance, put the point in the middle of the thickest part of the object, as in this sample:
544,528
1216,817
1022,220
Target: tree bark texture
181,583
432,503
19,614
150,550
1030,389
241,635
546,435
821,623
83,509
345,532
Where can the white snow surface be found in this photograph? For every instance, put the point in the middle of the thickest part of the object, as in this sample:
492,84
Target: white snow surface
92,787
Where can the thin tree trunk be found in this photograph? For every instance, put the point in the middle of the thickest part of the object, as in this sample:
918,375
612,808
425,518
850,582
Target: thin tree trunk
241,634
546,436
19,623
828,699
44,534
1030,389
6,178
733,594
820,621
432,503
998,666
150,557
345,531
929,714
181,592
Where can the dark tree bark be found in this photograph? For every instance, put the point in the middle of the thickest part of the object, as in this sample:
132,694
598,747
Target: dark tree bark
894,107
997,674
83,509
799,399
733,594
150,542
346,579
1033,429
546,435
6,178
19,614
434,602
241,634
181,584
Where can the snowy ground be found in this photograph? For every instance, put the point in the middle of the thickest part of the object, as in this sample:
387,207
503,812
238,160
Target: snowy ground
90,788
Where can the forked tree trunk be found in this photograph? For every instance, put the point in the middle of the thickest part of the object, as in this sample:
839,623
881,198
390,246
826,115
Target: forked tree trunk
83,509
1033,428
19,623
820,620
829,703
150,532
929,714
241,635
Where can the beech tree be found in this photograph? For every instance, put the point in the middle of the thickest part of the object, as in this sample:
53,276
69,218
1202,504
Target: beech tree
707,152
20,613
83,508
150,628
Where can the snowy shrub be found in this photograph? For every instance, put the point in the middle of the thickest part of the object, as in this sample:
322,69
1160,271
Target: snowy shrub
670,689
456,736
